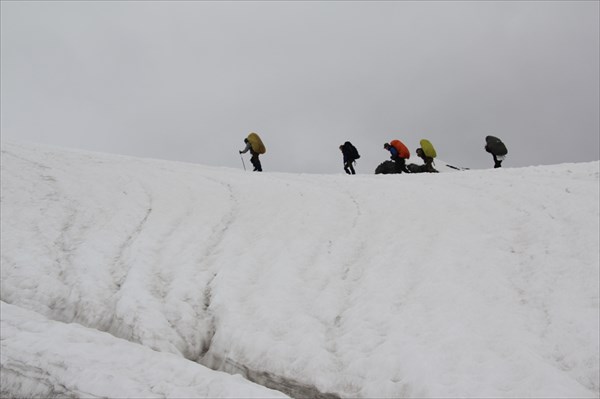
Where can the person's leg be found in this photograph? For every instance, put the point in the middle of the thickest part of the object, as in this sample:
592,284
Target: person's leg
497,162
257,163
430,167
397,165
402,165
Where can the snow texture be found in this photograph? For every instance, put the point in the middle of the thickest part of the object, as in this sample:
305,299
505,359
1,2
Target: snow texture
127,277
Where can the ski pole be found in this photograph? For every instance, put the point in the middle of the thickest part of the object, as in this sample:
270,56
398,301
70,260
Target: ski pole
242,158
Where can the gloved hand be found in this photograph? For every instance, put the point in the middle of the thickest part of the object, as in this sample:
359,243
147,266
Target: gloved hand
240,151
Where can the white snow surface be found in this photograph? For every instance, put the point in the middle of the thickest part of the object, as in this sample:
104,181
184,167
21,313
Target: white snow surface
128,277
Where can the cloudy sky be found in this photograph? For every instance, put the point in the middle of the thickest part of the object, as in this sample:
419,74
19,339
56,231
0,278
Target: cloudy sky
187,81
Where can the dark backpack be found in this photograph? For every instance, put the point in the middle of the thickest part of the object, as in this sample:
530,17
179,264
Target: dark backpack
495,146
351,150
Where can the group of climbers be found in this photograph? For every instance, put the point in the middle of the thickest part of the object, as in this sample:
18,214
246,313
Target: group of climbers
399,154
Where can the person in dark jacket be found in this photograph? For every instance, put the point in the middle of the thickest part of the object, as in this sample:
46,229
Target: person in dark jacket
398,160
497,158
497,148
254,159
349,157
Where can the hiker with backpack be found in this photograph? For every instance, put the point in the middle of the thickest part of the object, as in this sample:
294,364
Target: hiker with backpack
255,145
427,165
350,154
399,154
496,147
426,152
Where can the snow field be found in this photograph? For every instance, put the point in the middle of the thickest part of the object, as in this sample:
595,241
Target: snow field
479,283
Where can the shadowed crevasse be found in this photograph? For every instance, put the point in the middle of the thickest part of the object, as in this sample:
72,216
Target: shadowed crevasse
289,386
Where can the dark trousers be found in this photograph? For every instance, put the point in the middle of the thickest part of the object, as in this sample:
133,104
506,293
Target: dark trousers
429,167
255,162
497,162
349,168
400,165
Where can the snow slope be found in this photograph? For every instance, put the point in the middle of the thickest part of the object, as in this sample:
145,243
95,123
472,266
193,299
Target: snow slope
481,283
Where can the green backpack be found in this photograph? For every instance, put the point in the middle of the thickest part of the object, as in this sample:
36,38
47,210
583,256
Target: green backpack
428,149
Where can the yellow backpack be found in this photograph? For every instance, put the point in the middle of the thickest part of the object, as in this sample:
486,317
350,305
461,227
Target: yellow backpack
256,143
428,148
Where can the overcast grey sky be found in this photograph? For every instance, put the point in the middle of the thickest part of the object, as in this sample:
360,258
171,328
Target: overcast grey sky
188,80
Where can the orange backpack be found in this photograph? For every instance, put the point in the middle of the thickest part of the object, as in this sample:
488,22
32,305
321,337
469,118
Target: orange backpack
401,148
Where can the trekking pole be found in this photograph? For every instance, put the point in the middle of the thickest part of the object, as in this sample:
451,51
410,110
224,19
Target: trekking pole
242,158
454,167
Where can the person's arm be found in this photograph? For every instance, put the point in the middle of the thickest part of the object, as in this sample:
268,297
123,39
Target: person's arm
248,146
